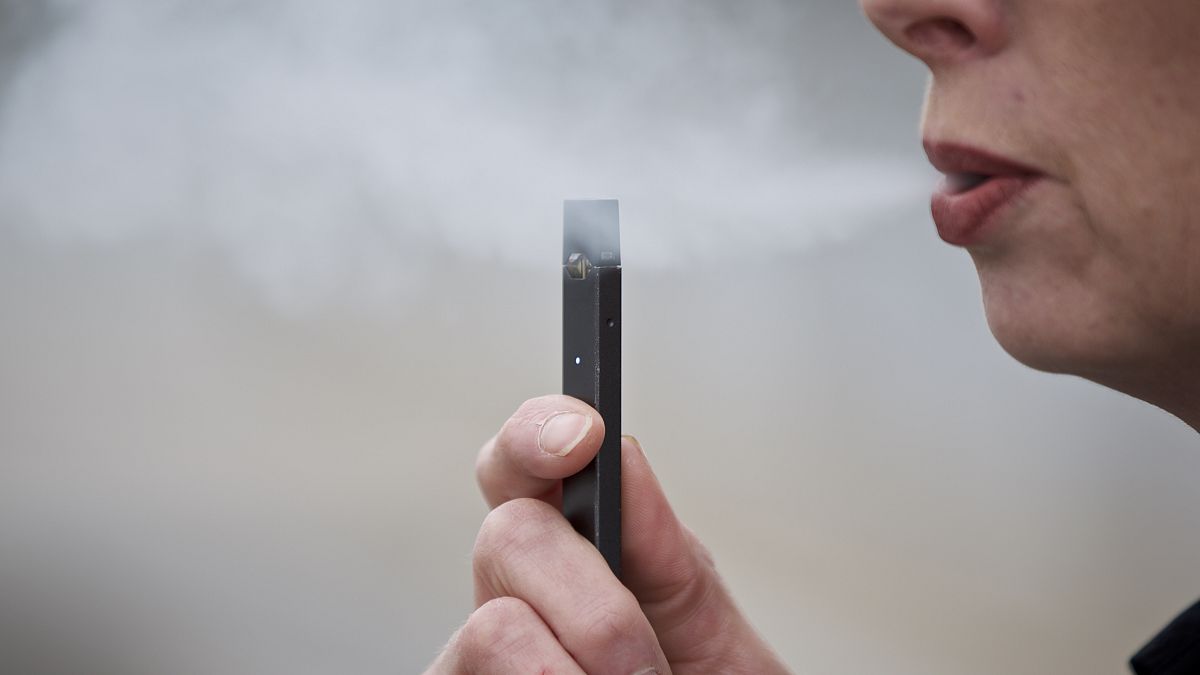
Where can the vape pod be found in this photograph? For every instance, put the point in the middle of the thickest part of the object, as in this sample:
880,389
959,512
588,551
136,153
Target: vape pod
592,365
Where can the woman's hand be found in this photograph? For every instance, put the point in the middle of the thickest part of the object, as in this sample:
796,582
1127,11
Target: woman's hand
547,602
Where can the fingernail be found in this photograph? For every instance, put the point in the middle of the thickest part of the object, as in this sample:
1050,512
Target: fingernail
560,433
636,443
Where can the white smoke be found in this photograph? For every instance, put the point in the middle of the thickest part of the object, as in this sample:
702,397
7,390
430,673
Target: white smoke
333,146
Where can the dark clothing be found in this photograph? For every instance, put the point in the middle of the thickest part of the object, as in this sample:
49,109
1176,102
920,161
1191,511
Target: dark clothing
1175,651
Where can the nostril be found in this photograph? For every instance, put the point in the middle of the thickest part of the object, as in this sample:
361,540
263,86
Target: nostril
941,36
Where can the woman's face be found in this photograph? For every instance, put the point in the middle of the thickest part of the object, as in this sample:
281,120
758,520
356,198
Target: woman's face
1087,240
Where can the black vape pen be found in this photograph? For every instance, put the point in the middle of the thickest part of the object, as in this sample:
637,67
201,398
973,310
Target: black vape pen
592,364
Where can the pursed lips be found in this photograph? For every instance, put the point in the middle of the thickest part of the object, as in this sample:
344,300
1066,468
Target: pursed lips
976,188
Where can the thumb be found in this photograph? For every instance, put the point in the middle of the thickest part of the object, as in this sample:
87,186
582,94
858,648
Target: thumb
672,574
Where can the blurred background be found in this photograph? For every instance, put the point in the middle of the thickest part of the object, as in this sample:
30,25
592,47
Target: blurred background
271,272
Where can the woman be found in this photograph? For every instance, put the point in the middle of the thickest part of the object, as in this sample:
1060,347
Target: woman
1069,133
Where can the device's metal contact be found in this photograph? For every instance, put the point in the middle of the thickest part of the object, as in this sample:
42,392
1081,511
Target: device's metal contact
578,266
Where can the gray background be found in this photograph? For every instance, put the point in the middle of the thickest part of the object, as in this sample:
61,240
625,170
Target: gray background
270,273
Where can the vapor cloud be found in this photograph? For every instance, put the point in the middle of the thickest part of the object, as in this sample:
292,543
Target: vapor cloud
329,147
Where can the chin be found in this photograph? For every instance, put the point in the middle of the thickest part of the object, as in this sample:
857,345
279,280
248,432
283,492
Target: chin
1056,323
1035,349
1048,292
1071,330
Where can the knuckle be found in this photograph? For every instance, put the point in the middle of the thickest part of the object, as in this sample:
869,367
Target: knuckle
703,553
500,626
519,525
609,623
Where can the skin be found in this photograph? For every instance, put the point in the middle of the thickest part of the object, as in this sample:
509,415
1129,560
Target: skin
1090,273
672,615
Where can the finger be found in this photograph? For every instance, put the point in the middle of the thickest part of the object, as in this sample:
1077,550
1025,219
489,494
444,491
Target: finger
546,440
526,549
672,574
504,636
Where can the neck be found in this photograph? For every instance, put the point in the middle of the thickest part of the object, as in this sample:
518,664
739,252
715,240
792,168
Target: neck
1183,404
1175,388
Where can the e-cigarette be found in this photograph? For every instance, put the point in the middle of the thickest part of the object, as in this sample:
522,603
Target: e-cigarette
592,364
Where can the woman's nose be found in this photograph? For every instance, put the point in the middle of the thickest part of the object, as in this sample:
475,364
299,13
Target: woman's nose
941,32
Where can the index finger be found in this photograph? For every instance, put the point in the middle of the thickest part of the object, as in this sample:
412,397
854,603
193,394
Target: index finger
547,439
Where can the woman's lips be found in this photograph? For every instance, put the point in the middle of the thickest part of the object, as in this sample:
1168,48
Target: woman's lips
976,189
962,217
